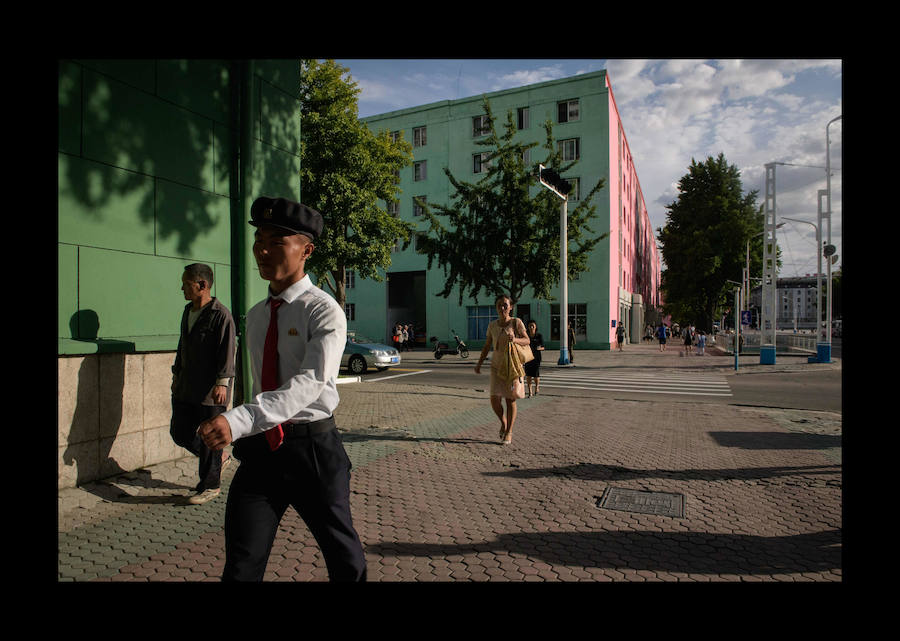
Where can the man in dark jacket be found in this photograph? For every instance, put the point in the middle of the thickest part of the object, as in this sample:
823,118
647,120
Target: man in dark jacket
203,374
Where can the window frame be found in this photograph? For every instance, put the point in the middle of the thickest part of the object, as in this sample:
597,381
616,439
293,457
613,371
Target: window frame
420,170
568,110
481,315
483,129
563,151
523,114
420,136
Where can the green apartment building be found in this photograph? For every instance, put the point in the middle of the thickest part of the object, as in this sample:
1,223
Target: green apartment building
623,280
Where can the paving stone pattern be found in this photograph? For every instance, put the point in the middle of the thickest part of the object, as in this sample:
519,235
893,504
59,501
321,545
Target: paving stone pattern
436,498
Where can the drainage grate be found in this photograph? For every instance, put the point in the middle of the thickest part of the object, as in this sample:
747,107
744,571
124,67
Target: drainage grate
644,502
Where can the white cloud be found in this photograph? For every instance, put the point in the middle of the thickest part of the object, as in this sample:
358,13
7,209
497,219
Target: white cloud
753,111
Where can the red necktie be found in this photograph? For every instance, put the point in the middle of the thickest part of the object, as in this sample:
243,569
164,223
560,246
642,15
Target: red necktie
270,368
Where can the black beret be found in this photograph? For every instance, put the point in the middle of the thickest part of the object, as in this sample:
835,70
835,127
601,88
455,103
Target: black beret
287,214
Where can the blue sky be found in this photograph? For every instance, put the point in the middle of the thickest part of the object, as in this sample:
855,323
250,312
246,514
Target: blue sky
755,111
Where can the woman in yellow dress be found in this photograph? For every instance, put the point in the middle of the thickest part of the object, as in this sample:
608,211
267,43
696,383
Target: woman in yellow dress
507,374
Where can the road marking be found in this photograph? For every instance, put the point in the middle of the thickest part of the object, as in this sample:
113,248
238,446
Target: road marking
384,378
684,384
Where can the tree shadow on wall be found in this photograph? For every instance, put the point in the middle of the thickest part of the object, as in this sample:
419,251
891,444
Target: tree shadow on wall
96,405
187,140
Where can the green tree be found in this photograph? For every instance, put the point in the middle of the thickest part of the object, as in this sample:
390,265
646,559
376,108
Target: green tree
500,235
345,171
704,241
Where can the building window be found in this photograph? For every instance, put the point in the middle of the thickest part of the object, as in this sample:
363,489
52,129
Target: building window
418,209
420,170
522,118
481,162
478,318
575,191
481,126
393,208
526,157
570,148
577,313
419,137
396,135
350,311
567,111
349,279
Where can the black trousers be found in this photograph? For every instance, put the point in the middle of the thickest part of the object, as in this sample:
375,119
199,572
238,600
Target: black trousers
186,418
310,473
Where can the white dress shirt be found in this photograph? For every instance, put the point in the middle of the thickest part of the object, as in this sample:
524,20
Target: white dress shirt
312,334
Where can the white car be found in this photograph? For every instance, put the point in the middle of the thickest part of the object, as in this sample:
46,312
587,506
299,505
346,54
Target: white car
361,353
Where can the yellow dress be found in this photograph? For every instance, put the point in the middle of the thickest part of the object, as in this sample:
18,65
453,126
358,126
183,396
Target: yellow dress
496,334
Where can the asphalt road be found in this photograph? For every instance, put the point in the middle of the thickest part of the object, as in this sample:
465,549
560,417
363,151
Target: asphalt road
807,390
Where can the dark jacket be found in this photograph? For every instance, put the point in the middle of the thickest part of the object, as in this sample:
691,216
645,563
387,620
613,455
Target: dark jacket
205,355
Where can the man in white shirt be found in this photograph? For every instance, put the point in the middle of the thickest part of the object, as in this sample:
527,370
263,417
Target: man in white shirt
305,465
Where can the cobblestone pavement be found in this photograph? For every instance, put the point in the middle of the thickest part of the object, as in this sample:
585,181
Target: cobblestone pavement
436,498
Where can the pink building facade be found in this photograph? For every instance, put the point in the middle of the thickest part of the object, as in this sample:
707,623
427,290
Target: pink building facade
634,259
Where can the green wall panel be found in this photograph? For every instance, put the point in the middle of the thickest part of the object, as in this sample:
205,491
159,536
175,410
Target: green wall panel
66,289
69,112
131,294
201,86
138,73
276,173
192,224
128,128
103,206
225,170
279,118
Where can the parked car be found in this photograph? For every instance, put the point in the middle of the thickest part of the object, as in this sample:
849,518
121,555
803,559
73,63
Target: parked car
361,353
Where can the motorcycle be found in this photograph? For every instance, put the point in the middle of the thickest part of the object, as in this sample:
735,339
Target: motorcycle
444,348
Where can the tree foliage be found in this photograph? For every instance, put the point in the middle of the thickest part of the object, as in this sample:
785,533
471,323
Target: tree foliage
345,171
499,235
704,241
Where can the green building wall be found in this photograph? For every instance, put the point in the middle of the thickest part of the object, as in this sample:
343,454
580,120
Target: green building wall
158,163
450,143
149,181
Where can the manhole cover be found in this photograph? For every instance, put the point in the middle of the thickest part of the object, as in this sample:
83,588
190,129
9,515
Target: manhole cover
644,502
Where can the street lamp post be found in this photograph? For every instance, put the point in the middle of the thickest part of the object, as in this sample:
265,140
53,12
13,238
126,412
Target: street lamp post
552,181
829,247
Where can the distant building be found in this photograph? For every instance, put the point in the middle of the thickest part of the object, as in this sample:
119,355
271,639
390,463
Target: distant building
795,302
623,281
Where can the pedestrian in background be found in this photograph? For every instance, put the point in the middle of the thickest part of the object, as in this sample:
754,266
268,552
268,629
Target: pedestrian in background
688,335
202,375
661,335
620,336
533,367
285,437
405,336
501,334
701,343
571,342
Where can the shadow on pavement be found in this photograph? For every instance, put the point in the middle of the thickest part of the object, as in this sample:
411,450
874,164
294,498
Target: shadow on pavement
685,552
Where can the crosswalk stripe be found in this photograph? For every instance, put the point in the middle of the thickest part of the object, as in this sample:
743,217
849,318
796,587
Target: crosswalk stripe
639,383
